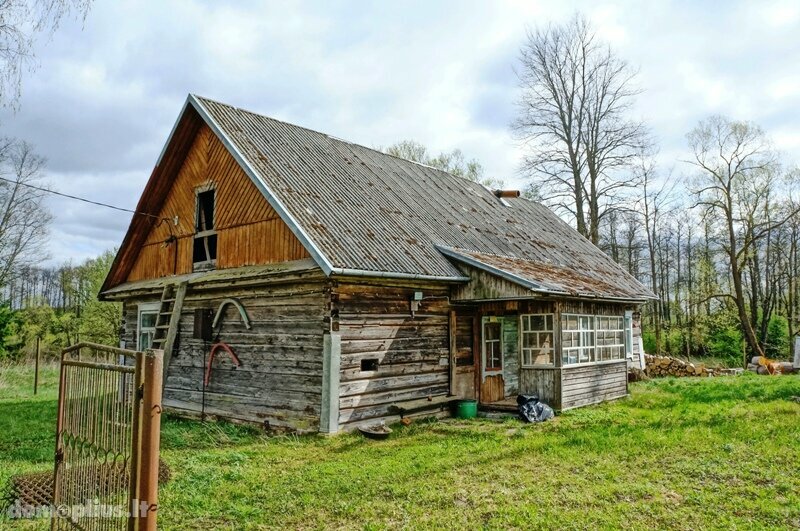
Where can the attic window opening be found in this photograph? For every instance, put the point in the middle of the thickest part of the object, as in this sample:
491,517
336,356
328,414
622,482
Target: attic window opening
204,252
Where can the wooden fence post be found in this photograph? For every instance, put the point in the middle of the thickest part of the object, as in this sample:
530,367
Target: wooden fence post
150,439
36,369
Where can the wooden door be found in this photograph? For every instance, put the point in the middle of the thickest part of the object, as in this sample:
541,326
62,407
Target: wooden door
492,383
465,352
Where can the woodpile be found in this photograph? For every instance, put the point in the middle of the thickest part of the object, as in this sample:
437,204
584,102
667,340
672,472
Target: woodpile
669,366
761,365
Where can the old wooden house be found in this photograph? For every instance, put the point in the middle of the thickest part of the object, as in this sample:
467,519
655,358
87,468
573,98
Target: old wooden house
301,281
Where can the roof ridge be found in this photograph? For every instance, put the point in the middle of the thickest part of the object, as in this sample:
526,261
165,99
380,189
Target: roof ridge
336,138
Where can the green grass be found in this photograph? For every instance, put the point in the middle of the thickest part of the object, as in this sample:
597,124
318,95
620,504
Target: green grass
683,454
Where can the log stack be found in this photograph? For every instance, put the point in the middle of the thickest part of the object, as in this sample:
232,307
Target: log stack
765,366
668,366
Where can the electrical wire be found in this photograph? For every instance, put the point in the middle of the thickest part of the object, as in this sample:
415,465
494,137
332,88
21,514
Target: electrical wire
76,198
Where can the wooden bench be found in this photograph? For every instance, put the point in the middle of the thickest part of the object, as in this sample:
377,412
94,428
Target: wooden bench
422,404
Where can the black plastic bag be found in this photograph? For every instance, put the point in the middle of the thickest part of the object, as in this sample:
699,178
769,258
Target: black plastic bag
531,410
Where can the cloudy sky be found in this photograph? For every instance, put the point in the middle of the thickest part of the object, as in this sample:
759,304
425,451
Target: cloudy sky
107,92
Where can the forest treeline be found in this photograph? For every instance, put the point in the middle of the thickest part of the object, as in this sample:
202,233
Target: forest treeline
59,306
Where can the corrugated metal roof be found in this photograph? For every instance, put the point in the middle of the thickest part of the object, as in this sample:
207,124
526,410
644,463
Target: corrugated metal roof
360,209
553,279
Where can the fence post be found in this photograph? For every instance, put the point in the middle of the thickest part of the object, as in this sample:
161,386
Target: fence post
36,369
62,391
150,439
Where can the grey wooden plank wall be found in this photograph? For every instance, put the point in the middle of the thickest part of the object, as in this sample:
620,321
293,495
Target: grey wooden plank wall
410,354
280,379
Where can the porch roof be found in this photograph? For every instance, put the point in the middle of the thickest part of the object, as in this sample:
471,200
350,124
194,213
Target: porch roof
550,278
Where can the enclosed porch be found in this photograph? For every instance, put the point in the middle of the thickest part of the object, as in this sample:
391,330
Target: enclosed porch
568,353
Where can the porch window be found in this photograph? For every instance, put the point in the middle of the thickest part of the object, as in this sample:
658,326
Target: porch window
492,347
577,339
610,338
629,334
592,338
537,340
146,326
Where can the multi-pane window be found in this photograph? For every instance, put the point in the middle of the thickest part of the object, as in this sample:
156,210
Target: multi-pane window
146,326
492,347
537,340
592,338
610,338
577,339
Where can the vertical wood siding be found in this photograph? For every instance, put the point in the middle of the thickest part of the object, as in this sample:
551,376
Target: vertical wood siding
544,383
249,231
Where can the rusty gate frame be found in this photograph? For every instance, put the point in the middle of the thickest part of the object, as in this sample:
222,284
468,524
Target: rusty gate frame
145,370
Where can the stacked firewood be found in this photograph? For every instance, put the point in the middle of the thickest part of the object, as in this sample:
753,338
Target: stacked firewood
669,366
761,365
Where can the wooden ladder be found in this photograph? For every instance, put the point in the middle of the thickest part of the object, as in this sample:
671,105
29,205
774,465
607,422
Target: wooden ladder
169,317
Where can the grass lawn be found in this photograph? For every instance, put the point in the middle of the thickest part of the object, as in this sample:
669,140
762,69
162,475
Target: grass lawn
683,454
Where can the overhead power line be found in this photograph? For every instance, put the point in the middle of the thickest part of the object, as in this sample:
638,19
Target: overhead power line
76,198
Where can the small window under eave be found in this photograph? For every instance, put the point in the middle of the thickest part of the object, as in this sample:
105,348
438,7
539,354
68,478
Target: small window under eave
204,251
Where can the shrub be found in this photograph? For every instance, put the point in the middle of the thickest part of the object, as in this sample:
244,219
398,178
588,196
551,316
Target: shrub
777,341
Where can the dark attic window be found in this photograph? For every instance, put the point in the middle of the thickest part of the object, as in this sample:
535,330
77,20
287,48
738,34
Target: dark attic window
204,252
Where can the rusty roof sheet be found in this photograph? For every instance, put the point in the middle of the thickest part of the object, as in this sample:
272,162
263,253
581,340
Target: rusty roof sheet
361,209
555,279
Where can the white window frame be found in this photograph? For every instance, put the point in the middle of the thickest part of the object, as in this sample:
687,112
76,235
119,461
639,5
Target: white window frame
584,352
629,334
147,307
588,334
527,354
486,371
614,351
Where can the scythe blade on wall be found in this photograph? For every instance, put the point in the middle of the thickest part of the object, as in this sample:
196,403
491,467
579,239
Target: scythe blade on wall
219,345
221,310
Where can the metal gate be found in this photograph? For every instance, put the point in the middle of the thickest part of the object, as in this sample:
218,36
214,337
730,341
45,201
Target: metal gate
107,439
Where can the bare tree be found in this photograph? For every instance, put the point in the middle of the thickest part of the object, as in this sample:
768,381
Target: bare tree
653,205
573,119
23,217
737,179
20,22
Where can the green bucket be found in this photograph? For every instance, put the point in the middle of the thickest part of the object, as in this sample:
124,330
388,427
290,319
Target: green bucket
466,409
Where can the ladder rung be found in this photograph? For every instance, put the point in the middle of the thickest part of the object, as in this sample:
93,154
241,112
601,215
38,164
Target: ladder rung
163,327
167,300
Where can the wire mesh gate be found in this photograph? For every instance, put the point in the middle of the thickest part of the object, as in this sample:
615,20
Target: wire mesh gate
107,439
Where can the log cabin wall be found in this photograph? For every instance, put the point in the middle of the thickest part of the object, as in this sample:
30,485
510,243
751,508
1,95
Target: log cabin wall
280,379
388,356
249,231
